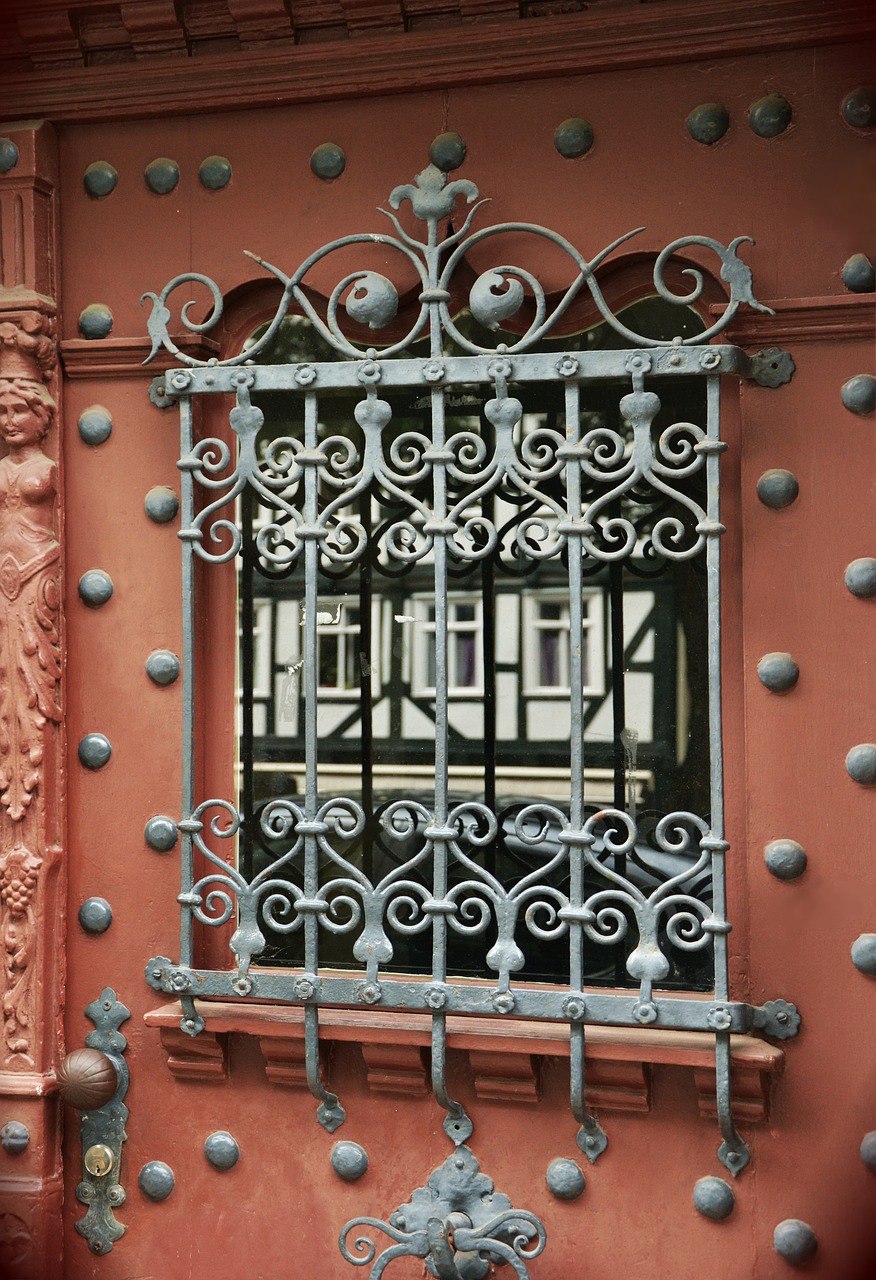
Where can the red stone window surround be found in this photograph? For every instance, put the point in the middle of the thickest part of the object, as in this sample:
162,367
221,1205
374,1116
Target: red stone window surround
505,1055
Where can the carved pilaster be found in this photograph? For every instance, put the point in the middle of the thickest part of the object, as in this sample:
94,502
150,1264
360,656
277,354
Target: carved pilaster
32,894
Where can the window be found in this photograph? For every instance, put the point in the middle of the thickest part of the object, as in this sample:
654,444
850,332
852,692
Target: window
547,639
442,820
464,649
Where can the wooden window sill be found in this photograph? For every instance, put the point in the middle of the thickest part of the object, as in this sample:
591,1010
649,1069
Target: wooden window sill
505,1055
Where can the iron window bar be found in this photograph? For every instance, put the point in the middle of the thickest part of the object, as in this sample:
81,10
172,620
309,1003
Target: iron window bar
314,483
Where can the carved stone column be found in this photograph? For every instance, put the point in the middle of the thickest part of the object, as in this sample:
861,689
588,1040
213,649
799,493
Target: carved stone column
32,881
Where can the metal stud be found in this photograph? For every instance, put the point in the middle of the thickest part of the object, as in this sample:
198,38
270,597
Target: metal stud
708,122
95,915
95,424
859,107
864,954
349,1160
777,488
861,763
161,175
221,1150
795,1241
714,1198
215,173
859,394
156,1180
161,833
447,152
868,1150
573,138
785,859
860,577
161,504
95,588
565,1179
162,667
858,274
15,1136
328,161
96,321
9,155
94,750
769,116
100,179
778,672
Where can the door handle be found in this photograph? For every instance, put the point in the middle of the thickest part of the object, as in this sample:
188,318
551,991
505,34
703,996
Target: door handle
95,1080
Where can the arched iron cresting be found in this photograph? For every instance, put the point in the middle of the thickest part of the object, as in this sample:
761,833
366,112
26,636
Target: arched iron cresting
311,480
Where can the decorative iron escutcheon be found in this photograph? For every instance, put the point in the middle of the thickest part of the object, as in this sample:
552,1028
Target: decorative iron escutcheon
95,1079
457,1224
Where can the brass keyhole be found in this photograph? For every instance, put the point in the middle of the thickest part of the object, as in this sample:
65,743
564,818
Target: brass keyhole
99,1160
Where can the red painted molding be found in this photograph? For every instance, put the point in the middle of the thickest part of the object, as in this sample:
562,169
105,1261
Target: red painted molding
480,44
123,357
202,1058
503,1053
845,317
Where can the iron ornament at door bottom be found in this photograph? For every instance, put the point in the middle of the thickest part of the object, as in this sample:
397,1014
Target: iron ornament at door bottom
457,1224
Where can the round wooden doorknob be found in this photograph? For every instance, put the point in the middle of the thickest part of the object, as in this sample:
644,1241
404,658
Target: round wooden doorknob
87,1079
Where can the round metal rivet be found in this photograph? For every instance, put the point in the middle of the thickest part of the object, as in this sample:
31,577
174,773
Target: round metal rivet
161,504
859,394
221,1150
215,173
777,488
868,1150
96,321
858,274
349,1160
714,1198
95,915
769,116
778,672
162,667
95,424
864,954
447,152
861,763
161,833
573,138
795,1241
328,161
860,577
859,107
94,750
95,588
708,122
161,175
9,155
15,1136
100,179
785,859
564,1179
156,1180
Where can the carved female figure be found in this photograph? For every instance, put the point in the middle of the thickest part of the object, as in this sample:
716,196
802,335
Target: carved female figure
30,668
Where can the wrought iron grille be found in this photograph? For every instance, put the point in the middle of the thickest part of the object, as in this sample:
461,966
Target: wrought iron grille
424,499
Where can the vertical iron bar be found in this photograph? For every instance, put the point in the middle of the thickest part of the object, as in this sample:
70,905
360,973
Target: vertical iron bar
188,676
591,1138
733,1151
366,710
246,799
457,1125
330,1112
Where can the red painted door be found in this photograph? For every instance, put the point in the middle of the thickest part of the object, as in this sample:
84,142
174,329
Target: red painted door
269,1199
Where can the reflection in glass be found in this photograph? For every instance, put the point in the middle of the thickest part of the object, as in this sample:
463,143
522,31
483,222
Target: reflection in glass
643,647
